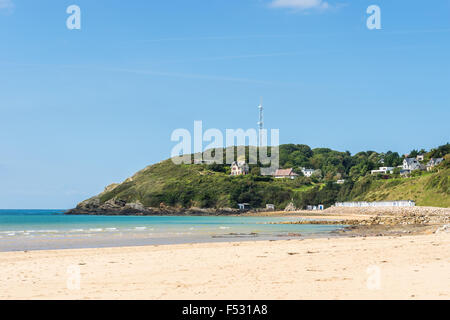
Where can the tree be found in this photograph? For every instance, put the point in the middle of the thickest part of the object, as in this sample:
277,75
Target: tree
439,152
317,174
414,153
256,171
392,159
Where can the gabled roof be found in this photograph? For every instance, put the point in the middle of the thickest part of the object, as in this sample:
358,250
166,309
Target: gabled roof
434,161
410,160
285,172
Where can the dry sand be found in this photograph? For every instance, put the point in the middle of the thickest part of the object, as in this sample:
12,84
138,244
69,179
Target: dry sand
409,267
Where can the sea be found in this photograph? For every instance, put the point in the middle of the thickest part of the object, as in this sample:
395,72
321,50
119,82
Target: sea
23,230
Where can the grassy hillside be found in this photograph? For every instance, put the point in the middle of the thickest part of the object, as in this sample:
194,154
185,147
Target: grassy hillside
432,189
210,186
198,186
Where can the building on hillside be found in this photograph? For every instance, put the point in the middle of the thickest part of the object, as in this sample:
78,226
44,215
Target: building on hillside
420,157
383,170
268,171
285,173
270,207
399,203
239,168
340,181
244,206
434,162
411,164
307,172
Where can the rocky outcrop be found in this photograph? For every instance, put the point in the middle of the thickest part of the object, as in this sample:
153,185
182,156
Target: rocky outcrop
118,207
443,229
405,219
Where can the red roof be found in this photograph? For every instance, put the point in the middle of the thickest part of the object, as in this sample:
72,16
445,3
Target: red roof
285,172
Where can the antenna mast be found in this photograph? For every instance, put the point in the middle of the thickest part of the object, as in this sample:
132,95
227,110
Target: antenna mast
260,122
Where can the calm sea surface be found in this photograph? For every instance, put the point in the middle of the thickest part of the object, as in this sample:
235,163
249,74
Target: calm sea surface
51,229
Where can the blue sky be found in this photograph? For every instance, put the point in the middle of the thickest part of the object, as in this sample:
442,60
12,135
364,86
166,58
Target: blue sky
81,109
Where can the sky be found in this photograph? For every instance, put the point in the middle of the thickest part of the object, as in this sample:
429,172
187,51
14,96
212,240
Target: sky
80,109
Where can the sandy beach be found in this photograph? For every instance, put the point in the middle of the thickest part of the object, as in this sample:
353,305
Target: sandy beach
391,267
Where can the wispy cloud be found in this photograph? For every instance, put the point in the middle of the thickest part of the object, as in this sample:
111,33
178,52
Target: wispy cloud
300,4
6,5
147,72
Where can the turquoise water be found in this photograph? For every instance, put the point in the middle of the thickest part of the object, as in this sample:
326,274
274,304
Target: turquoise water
51,229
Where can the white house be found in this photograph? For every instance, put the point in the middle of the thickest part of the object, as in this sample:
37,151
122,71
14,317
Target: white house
285,173
383,170
307,172
420,157
434,162
411,164
239,168
244,206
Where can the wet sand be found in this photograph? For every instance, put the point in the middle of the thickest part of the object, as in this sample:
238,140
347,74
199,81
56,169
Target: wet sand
390,267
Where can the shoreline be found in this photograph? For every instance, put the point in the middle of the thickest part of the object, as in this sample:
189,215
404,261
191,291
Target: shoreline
411,267
215,239
407,251
332,222
134,210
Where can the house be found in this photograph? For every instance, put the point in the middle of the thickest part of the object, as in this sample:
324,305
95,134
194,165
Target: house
420,157
434,162
244,206
411,164
307,172
285,173
383,170
270,207
341,181
239,168
268,171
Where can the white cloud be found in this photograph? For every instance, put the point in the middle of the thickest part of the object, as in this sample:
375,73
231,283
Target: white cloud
300,4
6,4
